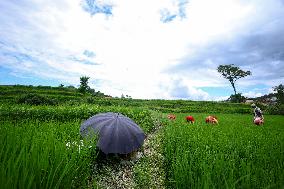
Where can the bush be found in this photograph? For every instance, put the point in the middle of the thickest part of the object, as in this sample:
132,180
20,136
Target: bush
35,99
237,98
275,109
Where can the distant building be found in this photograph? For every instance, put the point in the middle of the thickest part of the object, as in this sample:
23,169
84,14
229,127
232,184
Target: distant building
108,96
249,101
274,99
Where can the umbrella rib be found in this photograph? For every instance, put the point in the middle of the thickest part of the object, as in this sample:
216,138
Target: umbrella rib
125,128
88,124
133,124
103,115
137,143
111,135
135,136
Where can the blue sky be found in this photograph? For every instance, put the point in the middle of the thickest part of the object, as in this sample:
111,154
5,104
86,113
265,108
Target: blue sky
167,49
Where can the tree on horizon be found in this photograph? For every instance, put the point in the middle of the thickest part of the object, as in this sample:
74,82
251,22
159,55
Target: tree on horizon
84,87
232,73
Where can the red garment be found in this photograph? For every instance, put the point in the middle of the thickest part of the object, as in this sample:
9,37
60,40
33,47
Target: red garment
190,119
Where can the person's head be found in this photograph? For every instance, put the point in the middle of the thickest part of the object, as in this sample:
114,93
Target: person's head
253,106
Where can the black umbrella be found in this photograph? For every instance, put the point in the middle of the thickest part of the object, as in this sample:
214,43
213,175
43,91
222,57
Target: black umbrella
116,132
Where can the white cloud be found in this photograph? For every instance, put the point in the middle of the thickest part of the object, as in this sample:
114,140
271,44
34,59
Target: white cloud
252,94
132,46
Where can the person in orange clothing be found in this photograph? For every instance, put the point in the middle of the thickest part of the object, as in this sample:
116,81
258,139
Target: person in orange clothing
171,117
211,119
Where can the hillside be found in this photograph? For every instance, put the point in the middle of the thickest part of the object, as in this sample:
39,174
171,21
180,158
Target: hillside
18,94
40,130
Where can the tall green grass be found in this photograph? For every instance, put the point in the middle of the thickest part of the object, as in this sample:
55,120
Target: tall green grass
36,154
17,113
233,154
42,148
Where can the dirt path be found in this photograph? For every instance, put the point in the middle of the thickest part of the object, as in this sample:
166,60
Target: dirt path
142,170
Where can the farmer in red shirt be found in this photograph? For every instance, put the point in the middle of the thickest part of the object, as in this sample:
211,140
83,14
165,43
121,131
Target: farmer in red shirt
190,119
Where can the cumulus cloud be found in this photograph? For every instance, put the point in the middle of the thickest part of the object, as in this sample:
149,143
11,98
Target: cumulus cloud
97,7
177,9
146,49
256,44
252,94
89,54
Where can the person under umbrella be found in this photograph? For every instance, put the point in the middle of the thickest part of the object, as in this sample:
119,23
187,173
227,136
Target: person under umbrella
117,133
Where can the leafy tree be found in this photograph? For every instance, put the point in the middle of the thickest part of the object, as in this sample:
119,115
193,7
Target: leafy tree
237,98
92,91
279,93
232,73
128,96
99,94
84,87
70,87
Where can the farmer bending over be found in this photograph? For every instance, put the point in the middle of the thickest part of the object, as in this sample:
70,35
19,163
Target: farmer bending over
257,112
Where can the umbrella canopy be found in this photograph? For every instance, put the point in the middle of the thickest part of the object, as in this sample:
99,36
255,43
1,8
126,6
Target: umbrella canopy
116,132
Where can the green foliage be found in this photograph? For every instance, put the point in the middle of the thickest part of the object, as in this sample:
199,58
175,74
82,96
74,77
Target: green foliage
142,174
11,94
279,93
61,86
275,109
84,87
233,154
66,96
99,94
149,170
232,73
237,98
35,99
70,87
37,154
67,113
41,146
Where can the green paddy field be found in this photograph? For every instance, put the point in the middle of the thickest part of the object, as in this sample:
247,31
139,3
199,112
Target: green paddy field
41,146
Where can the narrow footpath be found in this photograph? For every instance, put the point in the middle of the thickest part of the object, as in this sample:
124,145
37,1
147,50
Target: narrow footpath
144,169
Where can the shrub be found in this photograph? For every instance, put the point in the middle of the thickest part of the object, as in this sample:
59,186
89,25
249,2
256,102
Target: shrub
35,99
237,98
275,109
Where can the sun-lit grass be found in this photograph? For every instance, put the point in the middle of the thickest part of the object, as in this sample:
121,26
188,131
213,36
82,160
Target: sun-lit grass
37,154
233,154
41,146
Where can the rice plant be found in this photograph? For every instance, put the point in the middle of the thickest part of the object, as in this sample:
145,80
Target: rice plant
233,154
37,154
